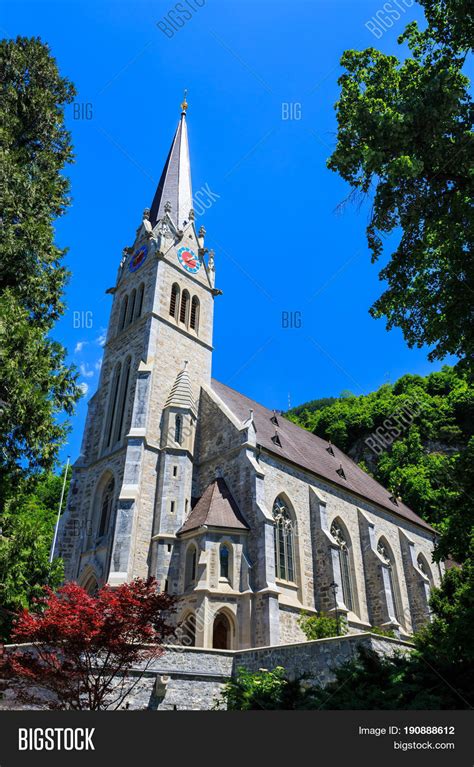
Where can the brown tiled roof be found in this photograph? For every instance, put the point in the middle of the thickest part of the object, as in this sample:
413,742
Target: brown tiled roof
215,508
310,452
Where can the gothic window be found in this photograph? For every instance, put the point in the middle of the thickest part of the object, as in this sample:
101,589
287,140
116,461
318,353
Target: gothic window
284,541
183,310
426,570
190,566
131,308
194,319
178,429
139,304
221,632
106,505
387,557
114,392
224,561
122,400
344,564
174,300
123,313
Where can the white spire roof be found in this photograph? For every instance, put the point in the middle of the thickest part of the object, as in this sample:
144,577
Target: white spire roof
175,183
181,395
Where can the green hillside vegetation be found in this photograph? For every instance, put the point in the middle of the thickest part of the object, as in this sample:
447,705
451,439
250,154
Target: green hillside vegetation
415,437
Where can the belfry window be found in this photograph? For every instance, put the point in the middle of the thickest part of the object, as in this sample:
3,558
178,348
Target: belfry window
344,565
114,393
122,403
183,310
174,300
123,313
284,541
106,504
131,310
139,305
194,319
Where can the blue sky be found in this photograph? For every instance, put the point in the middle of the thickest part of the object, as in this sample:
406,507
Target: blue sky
280,243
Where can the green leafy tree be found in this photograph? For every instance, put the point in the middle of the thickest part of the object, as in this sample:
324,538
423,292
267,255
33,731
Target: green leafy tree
415,437
36,385
322,625
27,528
405,139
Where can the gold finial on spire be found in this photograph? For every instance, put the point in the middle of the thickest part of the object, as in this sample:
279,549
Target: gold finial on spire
184,104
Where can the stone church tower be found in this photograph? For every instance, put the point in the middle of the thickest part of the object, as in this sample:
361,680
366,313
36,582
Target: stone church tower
246,517
133,480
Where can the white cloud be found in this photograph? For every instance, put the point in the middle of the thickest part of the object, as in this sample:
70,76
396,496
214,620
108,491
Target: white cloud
85,371
79,346
84,387
102,337
98,364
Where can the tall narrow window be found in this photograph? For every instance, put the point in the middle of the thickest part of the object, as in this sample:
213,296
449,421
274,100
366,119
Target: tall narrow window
344,565
178,429
224,557
131,308
284,541
194,318
122,402
190,566
106,504
183,310
174,300
114,392
123,313
387,557
139,305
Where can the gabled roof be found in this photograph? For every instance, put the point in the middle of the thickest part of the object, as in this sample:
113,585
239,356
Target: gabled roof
312,453
175,182
215,508
181,395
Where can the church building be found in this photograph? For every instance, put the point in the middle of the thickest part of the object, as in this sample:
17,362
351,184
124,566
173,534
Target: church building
247,518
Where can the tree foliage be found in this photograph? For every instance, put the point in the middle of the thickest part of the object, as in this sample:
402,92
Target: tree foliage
405,138
27,527
415,437
36,385
82,645
322,625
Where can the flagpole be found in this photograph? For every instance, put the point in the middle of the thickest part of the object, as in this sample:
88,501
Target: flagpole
56,527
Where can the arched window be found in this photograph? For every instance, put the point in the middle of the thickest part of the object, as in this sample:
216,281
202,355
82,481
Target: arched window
139,304
394,603
123,313
190,566
284,542
114,393
344,564
194,318
106,502
178,429
224,561
174,300
131,309
122,401
184,308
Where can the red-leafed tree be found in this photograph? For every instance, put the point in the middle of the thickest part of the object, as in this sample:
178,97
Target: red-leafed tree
80,647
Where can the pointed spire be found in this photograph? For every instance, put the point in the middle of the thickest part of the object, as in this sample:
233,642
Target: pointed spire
175,183
181,395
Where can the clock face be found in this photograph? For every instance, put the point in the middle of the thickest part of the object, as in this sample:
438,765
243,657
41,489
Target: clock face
138,258
188,260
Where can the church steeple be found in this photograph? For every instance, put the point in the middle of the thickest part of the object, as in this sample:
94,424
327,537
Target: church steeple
175,183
